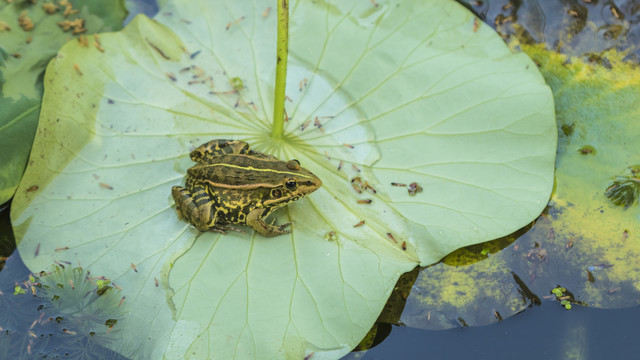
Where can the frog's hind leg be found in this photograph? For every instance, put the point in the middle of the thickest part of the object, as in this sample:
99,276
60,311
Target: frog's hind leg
195,207
219,147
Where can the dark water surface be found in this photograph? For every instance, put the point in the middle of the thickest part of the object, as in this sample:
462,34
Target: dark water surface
546,332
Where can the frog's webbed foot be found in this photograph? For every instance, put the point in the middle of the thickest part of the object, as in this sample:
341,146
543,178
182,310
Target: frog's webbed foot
281,227
271,230
255,221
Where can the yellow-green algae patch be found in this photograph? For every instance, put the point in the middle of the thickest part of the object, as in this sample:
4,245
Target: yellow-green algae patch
600,104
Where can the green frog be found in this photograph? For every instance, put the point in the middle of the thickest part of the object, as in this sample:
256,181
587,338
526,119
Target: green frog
232,184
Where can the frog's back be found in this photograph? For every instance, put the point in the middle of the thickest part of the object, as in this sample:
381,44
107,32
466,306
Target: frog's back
240,171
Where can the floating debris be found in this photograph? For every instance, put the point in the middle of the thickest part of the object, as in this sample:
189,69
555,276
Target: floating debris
414,188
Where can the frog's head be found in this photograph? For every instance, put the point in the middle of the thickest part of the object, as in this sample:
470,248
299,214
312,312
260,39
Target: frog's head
293,183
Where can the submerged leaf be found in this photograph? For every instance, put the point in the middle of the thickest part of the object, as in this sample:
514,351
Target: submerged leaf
401,99
31,33
624,191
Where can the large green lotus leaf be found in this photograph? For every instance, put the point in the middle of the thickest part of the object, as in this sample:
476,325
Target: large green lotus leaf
120,124
584,243
27,52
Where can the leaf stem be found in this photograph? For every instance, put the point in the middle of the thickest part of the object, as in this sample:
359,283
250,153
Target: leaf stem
281,69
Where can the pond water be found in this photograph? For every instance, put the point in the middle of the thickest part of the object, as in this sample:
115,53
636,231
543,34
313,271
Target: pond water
547,331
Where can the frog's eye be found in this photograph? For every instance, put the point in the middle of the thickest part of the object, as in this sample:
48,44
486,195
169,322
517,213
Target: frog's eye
293,164
291,184
276,193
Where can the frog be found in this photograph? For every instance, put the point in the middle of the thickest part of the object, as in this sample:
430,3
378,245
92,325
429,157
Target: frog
231,184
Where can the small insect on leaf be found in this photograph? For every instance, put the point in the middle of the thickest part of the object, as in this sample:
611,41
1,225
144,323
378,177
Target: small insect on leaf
62,248
133,266
172,76
156,281
157,49
266,11
106,186
355,167
476,24
398,184
370,188
390,236
193,56
356,184
404,245
303,83
305,124
340,165
77,68
414,188
231,23
359,224
348,145
32,188
318,124
365,201
37,250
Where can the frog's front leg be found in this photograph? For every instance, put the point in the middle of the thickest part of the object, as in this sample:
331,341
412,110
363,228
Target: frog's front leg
254,219
195,208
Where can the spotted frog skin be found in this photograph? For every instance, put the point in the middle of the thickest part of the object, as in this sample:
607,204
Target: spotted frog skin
232,184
